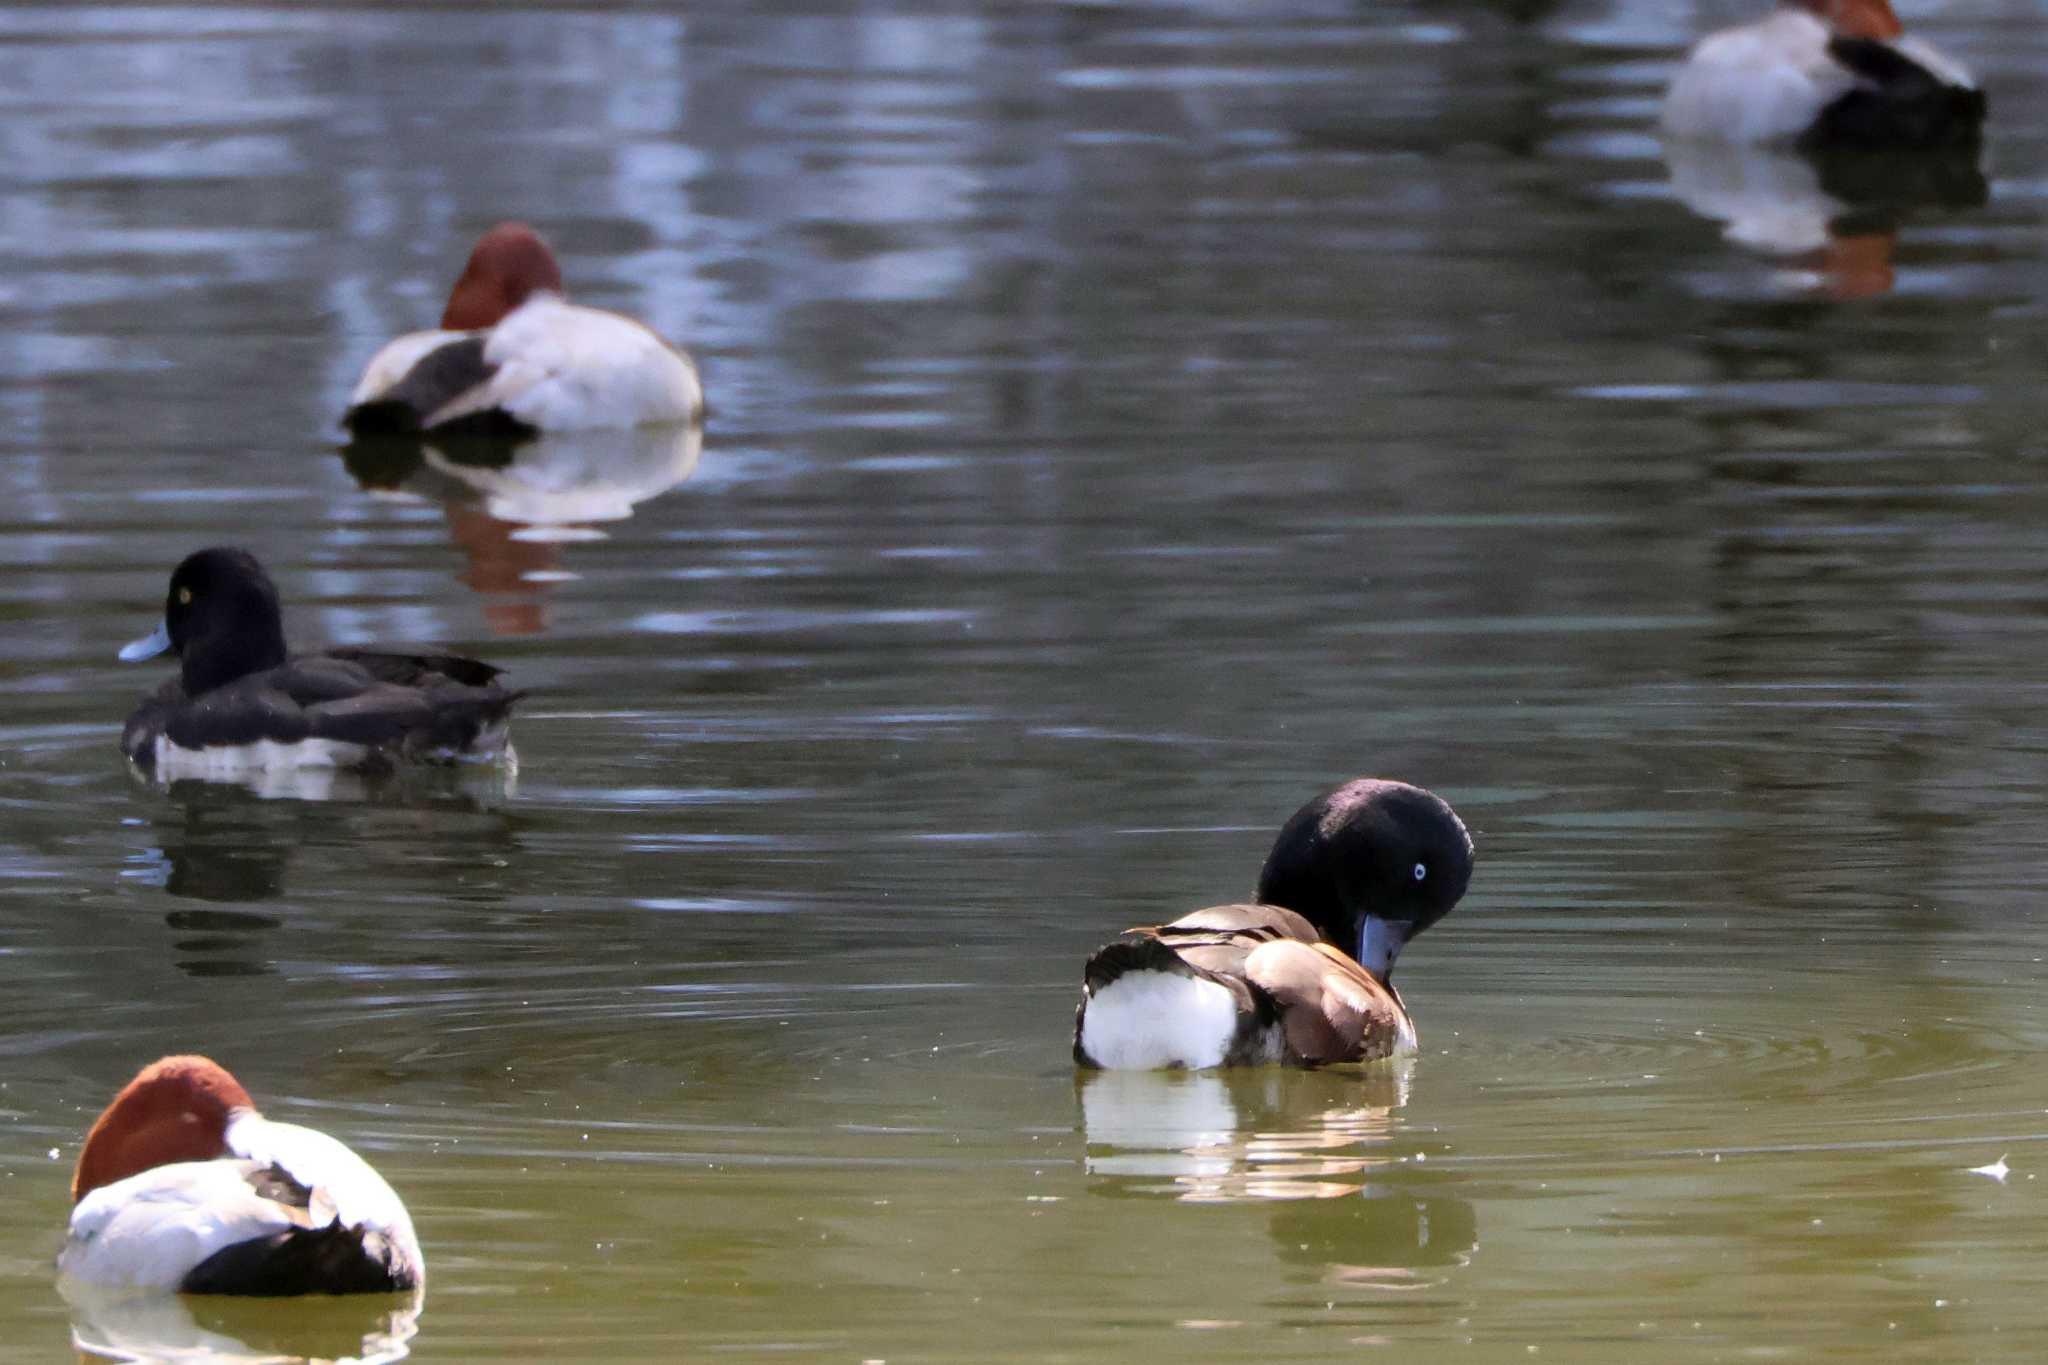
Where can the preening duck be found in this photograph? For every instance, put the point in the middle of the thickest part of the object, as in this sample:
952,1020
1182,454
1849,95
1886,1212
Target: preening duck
1303,975
239,705
513,357
182,1186
1824,73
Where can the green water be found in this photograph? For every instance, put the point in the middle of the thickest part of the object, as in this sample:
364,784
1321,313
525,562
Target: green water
1126,422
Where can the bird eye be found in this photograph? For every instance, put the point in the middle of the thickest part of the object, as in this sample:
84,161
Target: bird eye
1421,871
184,597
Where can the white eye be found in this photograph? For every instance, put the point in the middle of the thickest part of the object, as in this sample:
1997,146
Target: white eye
1421,871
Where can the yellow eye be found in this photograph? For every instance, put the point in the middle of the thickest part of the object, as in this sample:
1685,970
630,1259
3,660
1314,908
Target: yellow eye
184,597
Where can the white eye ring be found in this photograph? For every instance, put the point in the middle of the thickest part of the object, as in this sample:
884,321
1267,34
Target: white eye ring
1421,871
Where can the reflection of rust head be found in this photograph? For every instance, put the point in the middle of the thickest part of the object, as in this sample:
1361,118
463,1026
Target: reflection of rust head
510,264
499,564
1858,267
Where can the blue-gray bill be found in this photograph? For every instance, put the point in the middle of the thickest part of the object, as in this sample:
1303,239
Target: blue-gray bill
1379,942
149,646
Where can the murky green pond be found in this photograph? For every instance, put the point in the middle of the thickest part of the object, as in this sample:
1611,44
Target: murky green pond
1126,421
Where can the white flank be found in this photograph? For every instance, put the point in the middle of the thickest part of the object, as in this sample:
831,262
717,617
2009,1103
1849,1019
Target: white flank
230,762
562,367
148,1231
1763,82
1148,1020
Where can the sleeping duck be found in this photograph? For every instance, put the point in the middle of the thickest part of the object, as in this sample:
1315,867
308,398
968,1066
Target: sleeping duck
239,704
182,1186
1824,73
1303,973
513,357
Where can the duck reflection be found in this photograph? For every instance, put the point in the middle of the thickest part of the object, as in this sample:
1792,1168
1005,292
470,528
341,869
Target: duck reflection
512,505
1831,219
213,847
467,785
1244,1132
1297,1139
1291,1137
122,1325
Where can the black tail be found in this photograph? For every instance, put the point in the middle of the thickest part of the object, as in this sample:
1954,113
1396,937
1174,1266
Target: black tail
324,1260
1134,952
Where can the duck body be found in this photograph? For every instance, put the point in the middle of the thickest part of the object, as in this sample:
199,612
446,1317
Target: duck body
182,1186
1824,74
513,358
1301,975
1234,985
551,365
239,705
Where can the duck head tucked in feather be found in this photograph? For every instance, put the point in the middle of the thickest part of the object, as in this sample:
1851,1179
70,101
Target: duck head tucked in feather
182,1186
176,1109
510,264
1370,865
221,618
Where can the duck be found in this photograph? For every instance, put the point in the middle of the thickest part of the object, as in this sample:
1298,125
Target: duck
182,1186
1302,974
1824,74
239,704
513,358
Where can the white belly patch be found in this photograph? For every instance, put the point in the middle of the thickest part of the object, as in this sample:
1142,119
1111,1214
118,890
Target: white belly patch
228,762
1148,1020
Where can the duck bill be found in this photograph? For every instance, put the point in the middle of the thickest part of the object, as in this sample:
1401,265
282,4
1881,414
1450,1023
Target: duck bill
149,646
1379,942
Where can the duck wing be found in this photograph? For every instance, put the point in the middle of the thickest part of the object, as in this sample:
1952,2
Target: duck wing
415,668
423,706
1330,1008
357,1237
439,380
150,1230
1905,94
1234,984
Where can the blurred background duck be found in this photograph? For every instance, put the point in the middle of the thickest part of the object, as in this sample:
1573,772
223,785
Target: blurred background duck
1824,73
513,357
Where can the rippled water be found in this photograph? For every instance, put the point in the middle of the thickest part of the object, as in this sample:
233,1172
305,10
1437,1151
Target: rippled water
1126,421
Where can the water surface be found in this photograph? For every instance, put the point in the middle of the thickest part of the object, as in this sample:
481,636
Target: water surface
1125,423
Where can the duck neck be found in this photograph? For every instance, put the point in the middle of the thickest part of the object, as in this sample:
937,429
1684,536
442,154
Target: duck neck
221,657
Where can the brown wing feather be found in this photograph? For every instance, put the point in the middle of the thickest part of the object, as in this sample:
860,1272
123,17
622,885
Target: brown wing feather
1258,922
1217,939
1331,1009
